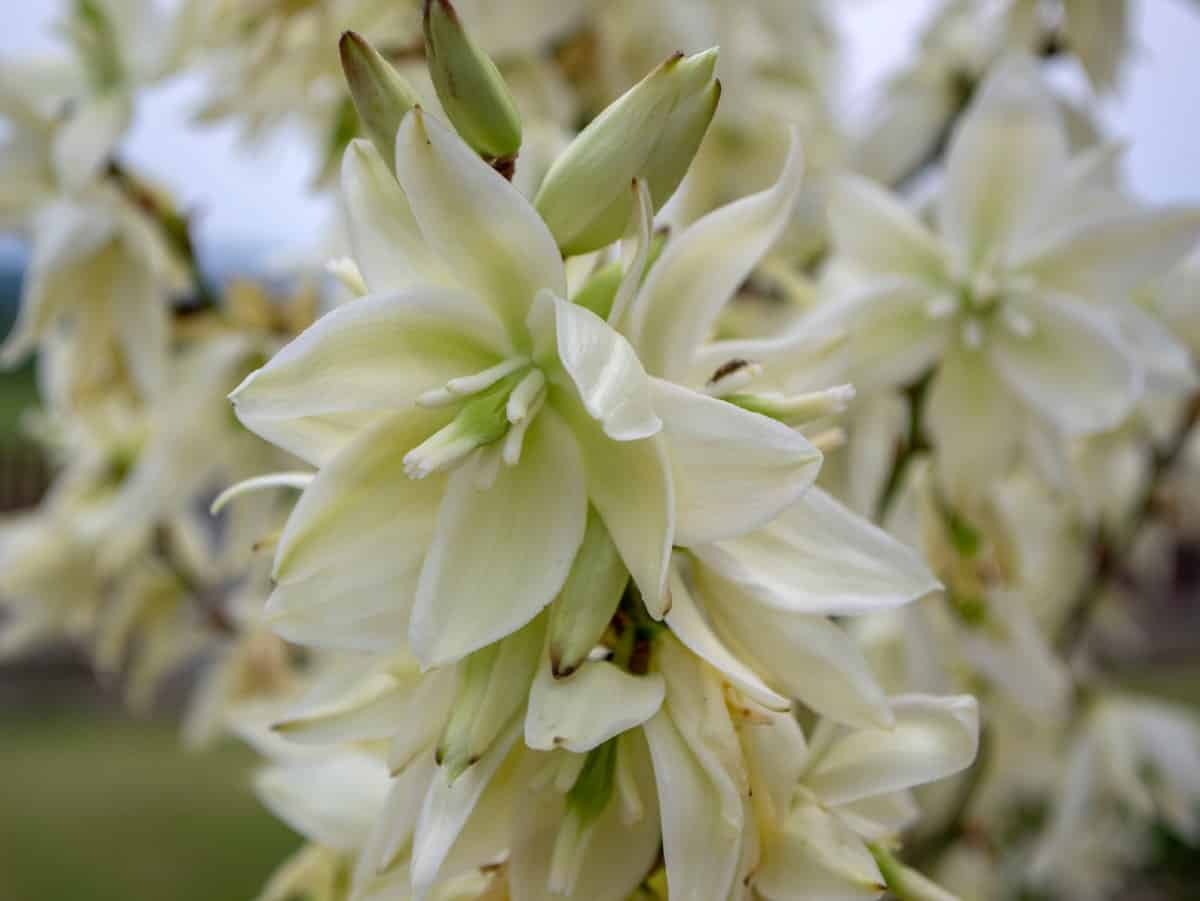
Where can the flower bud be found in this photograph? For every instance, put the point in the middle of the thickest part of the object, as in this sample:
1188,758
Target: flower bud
470,87
588,599
493,684
652,131
380,95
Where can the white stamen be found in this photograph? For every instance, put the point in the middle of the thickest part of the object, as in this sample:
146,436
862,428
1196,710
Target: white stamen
972,334
346,271
734,380
437,397
480,381
441,450
524,396
941,306
828,440
514,441
1018,323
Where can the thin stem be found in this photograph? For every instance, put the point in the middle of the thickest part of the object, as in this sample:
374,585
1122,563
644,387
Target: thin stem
909,446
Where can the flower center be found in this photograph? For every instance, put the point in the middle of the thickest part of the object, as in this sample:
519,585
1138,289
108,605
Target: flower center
495,405
979,299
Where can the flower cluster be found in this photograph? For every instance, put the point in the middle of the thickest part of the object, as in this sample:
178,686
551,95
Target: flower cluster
626,514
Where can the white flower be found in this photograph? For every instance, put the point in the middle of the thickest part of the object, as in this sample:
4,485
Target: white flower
464,416
1017,301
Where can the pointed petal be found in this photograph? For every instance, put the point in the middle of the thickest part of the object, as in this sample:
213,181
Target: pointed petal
521,533
610,379
690,626
477,223
733,470
1005,158
817,856
933,737
387,242
701,269
1070,337
363,493
878,234
582,711
819,557
629,483
376,353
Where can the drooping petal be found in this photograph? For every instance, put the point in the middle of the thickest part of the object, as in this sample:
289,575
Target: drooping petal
817,856
500,555
932,738
582,711
974,420
388,246
1108,257
879,235
446,810
689,625
700,270
733,470
1004,161
363,494
1043,368
376,353
606,371
818,557
629,483
477,223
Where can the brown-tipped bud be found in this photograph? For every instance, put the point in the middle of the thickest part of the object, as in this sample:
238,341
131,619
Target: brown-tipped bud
380,94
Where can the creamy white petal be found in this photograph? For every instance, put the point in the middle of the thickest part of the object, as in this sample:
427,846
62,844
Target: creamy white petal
1069,338
477,223
143,326
974,419
629,483
878,234
819,557
394,829
376,353
881,816
89,136
606,371
932,738
702,268
500,555
388,246
1164,358
1004,161
689,625
446,811
582,711
732,470
360,495
817,856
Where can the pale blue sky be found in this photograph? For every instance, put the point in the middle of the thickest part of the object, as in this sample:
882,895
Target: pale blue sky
257,199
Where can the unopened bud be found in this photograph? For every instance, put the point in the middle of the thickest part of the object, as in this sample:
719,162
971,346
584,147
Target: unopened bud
471,89
652,131
588,600
380,94
493,685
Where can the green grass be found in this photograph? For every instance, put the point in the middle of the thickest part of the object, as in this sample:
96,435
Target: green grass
104,808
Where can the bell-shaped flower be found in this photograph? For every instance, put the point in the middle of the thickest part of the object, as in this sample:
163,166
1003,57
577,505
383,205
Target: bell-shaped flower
1014,302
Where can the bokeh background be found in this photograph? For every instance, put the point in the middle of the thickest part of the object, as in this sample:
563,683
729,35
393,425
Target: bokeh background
95,804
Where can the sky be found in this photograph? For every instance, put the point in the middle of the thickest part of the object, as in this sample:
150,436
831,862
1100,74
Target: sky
249,200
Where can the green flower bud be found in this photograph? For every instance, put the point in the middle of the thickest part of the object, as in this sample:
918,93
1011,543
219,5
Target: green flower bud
380,94
652,131
588,599
470,87
493,684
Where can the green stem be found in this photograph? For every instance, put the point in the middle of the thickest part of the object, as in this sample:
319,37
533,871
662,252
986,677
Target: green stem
904,882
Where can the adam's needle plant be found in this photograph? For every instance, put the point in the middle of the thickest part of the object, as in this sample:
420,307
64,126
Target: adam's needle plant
524,584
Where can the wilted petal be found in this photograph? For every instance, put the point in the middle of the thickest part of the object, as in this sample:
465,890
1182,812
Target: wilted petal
818,557
500,555
932,738
376,353
701,270
582,711
477,223
1044,368
387,242
1004,161
733,470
